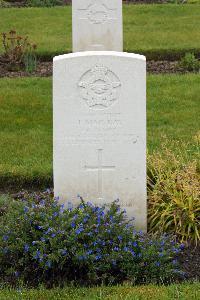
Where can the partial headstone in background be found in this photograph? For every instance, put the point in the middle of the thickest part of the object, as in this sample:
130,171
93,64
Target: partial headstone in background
97,25
100,129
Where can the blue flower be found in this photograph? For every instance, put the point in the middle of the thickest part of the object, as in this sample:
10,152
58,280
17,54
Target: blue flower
34,242
55,214
48,230
126,249
135,244
89,252
120,238
174,261
102,243
42,202
5,238
98,257
43,239
133,252
116,248
53,235
63,252
62,207
99,220
5,250
75,217
182,246
26,209
16,274
175,250
73,225
79,230
37,255
81,257
48,264
114,262
26,247
162,243
157,263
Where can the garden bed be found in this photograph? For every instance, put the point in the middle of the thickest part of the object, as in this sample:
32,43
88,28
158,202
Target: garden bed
44,69
189,258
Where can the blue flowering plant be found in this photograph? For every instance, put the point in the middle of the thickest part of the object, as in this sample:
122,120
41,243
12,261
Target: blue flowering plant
43,241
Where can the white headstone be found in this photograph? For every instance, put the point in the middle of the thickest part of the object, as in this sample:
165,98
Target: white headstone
100,129
97,25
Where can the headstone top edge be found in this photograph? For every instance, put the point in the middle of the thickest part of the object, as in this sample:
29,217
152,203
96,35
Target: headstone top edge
99,53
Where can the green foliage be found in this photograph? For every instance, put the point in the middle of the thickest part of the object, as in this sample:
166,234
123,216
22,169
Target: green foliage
4,4
41,242
174,192
44,3
30,61
18,52
190,63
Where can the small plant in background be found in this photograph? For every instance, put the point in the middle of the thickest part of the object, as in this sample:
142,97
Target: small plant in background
174,192
45,3
190,63
19,53
4,4
42,241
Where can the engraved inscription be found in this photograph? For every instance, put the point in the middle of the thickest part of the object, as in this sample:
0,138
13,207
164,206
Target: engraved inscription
99,87
100,168
100,139
100,124
98,12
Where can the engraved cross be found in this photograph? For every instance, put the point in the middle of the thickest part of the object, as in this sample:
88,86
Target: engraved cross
100,168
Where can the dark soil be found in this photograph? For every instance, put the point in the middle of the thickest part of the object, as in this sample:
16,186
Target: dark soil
44,69
189,258
190,262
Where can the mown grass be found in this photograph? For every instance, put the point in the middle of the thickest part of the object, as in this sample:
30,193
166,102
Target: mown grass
26,123
155,30
182,291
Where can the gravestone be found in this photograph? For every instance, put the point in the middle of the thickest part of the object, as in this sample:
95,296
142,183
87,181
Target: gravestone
99,112
97,25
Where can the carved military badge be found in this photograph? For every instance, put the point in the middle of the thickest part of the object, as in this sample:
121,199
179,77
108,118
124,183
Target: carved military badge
97,12
99,87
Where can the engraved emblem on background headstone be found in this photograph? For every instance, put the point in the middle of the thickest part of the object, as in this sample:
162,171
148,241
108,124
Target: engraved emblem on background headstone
97,13
99,87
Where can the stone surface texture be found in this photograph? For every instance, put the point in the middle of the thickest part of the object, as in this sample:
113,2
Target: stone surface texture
99,112
97,25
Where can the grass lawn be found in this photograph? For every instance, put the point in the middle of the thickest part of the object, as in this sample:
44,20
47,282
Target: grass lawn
149,29
26,122
183,291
